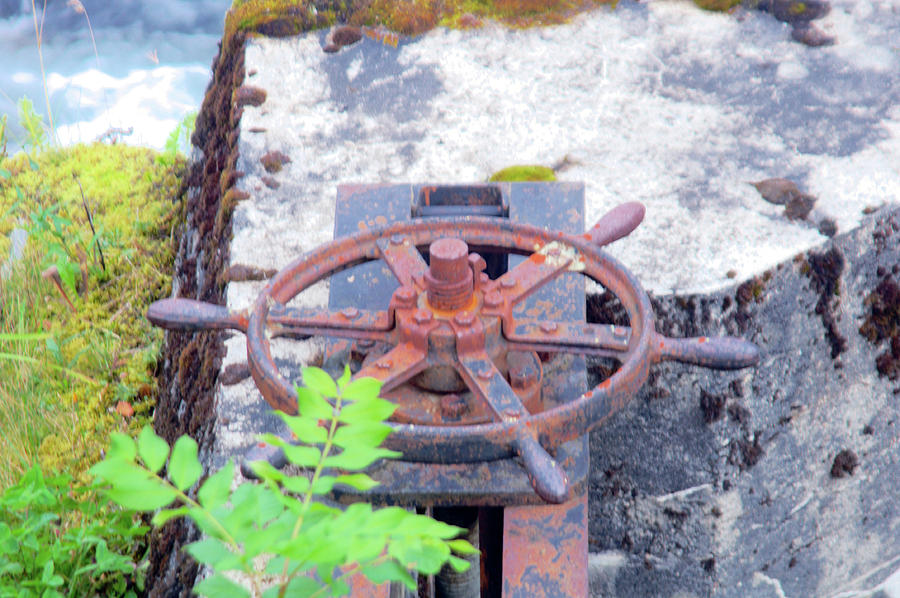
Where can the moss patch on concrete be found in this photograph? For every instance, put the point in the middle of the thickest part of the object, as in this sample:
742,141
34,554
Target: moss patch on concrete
133,201
717,5
520,174
279,18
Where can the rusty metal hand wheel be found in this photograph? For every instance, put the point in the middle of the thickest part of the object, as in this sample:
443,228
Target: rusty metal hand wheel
448,327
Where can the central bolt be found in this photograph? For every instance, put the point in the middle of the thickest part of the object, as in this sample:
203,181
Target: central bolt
449,278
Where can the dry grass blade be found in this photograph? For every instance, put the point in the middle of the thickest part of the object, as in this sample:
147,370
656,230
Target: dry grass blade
76,6
90,217
39,36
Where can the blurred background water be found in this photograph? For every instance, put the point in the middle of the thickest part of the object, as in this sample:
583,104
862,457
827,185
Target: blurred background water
151,68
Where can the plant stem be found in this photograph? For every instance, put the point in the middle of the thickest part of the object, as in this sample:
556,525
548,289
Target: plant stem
90,218
39,35
349,572
26,359
187,500
307,498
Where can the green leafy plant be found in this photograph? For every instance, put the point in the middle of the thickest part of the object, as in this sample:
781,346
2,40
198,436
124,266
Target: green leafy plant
281,537
55,541
33,124
179,140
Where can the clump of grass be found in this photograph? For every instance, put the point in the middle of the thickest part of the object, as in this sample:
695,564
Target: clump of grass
76,369
28,412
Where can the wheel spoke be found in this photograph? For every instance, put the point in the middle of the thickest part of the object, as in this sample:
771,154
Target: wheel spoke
396,366
404,260
299,322
490,386
547,477
570,337
541,267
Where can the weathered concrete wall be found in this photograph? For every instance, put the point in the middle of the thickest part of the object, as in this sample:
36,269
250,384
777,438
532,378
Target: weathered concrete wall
729,483
192,361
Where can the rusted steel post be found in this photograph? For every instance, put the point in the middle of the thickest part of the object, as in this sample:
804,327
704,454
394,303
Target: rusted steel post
545,550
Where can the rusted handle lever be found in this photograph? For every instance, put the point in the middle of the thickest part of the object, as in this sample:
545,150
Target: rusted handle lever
617,223
188,314
717,352
547,477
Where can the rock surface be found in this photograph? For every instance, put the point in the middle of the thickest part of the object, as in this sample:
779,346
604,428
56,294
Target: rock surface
658,102
778,481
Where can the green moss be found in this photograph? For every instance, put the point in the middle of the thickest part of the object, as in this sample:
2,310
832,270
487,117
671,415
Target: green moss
717,5
515,174
134,201
278,18
797,8
409,17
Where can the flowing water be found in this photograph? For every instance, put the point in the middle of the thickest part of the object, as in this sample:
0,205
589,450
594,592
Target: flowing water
150,69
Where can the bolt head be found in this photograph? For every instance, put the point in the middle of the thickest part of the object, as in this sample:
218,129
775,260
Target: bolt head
464,318
507,283
493,299
485,374
406,295
396,239
422,316
548,327
351,313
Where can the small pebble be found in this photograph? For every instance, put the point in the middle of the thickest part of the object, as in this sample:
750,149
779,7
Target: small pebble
812,36
827,227
845,463
777,191
346,35
799,207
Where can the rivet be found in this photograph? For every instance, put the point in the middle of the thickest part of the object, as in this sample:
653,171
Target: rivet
507,283
383,365
464,318
512,414
548,327
485,374
406,295
493,299
351,313
422,316
396,239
